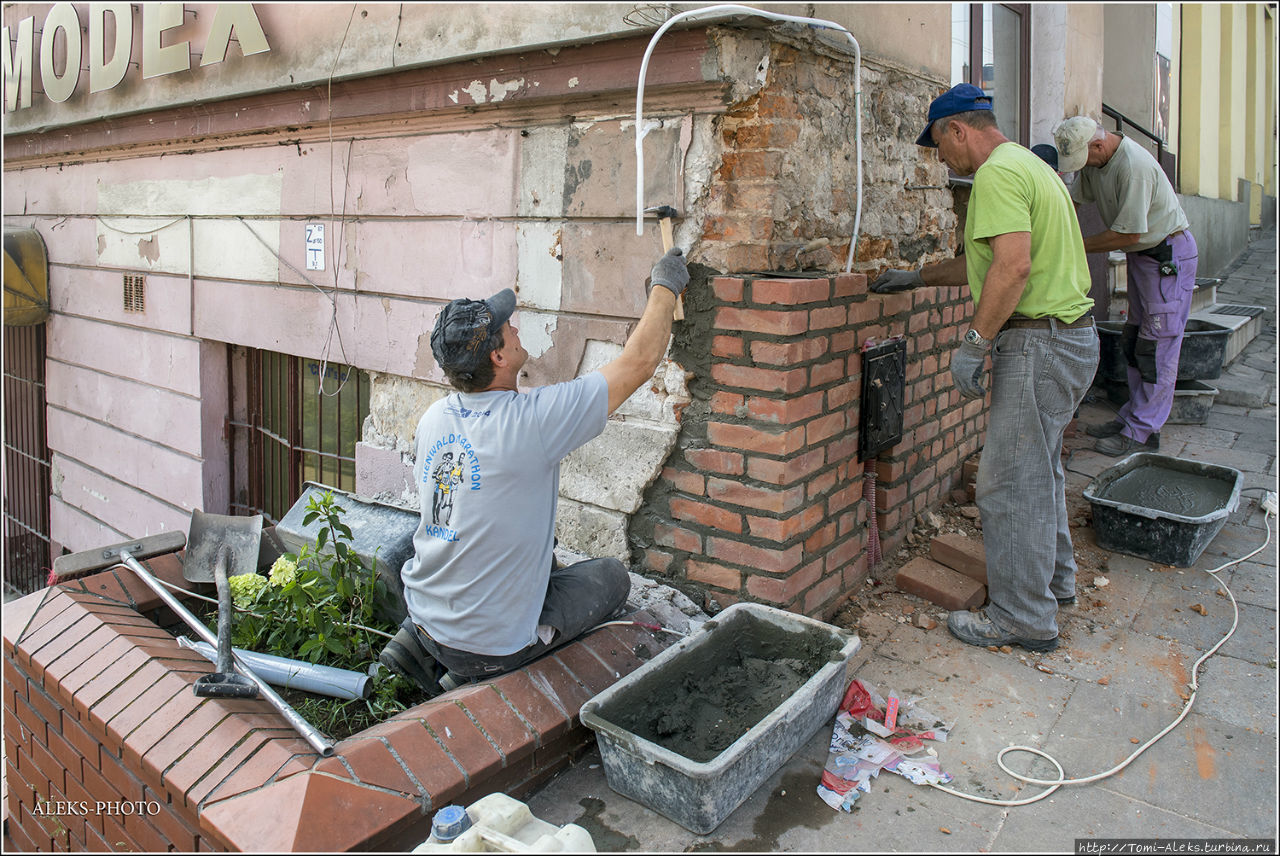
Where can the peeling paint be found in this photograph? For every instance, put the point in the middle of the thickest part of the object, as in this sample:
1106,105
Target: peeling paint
762,70
537,330
573,82
149,249
477,91
101,497
453,96
499,90
102,244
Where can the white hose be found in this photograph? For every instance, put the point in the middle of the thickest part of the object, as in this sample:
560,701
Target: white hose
734,9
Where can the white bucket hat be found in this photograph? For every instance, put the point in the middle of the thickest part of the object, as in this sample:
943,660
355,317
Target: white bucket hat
1072,138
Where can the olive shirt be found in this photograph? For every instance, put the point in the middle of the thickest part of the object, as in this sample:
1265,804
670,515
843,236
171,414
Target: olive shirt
1134,196
1015,191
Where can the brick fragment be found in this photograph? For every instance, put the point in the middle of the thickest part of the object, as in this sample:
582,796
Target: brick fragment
939,584
961,553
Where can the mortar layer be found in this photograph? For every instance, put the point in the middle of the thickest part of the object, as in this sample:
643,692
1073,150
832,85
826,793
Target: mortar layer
1171,491
704,700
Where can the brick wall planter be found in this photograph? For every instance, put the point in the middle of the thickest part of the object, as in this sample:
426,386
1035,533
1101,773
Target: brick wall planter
107,748
763,498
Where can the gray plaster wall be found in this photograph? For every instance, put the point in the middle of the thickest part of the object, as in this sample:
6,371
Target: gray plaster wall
1221,229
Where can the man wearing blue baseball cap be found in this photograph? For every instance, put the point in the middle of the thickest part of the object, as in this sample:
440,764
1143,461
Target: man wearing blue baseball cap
483,591
1025,266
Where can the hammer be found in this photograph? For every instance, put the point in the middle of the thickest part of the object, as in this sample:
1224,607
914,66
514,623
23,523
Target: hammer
665,214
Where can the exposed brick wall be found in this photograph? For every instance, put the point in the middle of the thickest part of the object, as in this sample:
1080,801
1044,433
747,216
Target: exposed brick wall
98,707
763,499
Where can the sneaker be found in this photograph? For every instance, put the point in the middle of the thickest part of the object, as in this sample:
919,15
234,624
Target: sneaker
974,628
1122,444
1067,601
1106,429
404,656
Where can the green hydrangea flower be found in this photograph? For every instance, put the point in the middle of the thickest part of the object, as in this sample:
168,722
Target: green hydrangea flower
283,572
245,588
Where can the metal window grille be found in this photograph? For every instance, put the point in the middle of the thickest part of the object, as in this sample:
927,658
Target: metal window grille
135,292
26,461
293,433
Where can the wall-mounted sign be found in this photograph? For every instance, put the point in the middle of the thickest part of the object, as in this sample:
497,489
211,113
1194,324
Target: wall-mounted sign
315,246
111,44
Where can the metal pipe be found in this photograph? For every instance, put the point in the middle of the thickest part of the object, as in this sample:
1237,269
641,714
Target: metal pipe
294,674
306,729
733,9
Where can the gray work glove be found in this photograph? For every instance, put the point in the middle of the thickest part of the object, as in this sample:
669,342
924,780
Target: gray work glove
892,281
670,272
968,362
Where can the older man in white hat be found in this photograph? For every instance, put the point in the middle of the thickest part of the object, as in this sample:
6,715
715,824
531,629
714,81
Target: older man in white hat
1145,220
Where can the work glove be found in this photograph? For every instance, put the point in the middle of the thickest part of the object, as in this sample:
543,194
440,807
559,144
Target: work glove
892,281
670,272
968,362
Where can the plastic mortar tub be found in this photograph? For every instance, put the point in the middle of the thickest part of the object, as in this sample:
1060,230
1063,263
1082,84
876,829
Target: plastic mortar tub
1162,508
1204,346
696,730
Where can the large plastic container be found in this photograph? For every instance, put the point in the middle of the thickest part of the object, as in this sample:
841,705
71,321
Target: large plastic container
501,824
1204,345
687,682
1192,400
1162,508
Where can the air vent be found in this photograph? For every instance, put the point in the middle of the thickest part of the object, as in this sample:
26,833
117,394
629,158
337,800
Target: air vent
135,292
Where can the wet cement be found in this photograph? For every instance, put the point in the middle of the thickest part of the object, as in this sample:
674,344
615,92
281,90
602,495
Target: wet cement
1171,491
702,701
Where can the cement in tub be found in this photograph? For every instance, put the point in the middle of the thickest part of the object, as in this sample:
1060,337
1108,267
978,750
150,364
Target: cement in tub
1162,508
695,731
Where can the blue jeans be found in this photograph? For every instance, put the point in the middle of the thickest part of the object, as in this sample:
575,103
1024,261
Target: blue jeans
1038,378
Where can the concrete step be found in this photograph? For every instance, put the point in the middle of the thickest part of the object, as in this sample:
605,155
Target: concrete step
1205,294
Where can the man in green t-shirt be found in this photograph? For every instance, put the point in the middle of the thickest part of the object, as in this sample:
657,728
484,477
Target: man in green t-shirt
1025,266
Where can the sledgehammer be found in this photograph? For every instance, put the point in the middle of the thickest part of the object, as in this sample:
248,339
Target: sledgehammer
665,214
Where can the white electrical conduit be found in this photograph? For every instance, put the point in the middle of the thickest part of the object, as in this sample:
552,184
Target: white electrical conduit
1054,784
293,674
733,9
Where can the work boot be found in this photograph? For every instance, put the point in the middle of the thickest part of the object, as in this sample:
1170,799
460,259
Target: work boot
1106,429
974,628
405,656
1123,444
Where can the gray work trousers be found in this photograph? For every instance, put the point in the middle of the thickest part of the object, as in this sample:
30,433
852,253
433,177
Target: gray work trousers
1038,378
579,596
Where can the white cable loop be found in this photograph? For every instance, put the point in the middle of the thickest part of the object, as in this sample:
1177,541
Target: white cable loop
1054,784
732,9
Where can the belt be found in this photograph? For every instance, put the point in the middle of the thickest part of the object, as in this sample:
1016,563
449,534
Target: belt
1046,323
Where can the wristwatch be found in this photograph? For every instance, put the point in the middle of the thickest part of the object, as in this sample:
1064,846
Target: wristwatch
972,337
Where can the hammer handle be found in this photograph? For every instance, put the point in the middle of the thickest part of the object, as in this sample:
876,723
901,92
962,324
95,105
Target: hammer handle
667,240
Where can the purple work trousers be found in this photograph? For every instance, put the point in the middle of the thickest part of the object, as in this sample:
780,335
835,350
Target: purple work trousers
1158,308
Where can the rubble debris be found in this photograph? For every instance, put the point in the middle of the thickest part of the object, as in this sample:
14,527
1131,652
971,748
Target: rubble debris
1101,582
1199,607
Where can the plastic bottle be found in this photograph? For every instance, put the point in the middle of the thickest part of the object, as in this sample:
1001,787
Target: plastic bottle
500,824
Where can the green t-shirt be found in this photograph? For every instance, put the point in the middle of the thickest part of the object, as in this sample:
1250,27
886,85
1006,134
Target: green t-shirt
1015,191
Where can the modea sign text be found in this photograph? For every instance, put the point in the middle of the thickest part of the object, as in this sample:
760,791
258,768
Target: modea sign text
108,62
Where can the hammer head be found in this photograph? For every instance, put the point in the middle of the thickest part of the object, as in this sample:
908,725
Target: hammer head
663,212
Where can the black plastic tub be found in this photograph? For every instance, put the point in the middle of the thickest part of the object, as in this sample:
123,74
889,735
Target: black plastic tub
1192,400
1162,508
1204,346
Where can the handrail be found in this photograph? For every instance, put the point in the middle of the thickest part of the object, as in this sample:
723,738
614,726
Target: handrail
1122,119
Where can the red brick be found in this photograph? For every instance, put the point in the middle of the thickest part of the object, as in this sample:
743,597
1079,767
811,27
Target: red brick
784,590
97,787
710,516
754,438
756,558
512,737
177,829
775,529
145,833
727,288
657,561
48,766
27,715
728,346
787,471
716,461
677,538
129,704
762,135
789,353
790,292
117,837
199,773
828,372
713,574
823,428
745,257
840,397
941,585
103,684
685,482
960,553
819,485
786,411
371,763
740,166
824,592
762,321
124,782
828,317
844,340
843,553
276,759
820,540
547,720
615,645
769,380
892,304
554,680
776,500
728,403
849,284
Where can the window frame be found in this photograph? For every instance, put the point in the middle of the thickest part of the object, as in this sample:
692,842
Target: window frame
1023,11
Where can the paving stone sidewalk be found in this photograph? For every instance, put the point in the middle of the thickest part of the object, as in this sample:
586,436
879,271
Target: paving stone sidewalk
1119,677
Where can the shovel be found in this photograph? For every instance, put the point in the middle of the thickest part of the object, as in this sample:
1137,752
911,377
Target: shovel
214,543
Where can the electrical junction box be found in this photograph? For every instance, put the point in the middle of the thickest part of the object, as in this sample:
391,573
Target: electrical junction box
884,387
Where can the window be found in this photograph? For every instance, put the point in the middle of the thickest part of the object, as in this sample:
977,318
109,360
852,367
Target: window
990,48
297,420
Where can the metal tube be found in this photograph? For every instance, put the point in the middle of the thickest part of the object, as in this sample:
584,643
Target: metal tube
308,732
